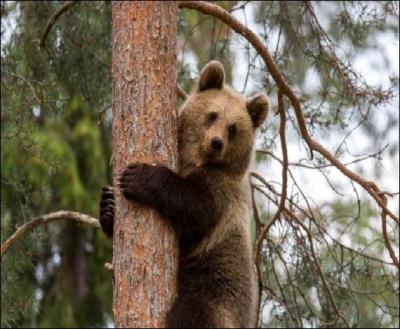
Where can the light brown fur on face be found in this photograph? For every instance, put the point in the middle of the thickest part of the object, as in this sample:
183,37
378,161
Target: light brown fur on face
195,134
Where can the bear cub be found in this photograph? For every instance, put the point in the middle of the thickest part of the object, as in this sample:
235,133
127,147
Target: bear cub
206,202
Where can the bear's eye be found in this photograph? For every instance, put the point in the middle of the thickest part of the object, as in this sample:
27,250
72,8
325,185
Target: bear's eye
211,117
232,130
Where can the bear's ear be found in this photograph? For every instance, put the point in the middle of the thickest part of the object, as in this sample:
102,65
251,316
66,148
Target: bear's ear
258,107
212,76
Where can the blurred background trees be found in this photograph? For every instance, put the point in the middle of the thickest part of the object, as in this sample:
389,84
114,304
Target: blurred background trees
341,58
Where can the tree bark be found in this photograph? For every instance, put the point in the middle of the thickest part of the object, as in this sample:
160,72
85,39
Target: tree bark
144,130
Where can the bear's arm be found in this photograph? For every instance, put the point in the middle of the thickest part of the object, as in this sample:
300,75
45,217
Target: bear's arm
186,203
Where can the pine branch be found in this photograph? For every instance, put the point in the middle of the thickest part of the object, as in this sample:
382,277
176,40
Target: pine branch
47,218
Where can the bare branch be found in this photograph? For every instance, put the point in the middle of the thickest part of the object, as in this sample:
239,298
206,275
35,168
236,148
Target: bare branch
65,7
326,165
385,236
284,177
266,228
180,92
47,218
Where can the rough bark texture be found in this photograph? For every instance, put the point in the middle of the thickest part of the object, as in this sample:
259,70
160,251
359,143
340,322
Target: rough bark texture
144,130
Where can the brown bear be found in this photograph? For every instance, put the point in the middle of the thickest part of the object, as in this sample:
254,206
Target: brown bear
207,204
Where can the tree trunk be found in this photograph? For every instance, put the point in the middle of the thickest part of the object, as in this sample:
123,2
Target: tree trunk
144,130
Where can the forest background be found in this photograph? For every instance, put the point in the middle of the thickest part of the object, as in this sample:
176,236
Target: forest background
342,60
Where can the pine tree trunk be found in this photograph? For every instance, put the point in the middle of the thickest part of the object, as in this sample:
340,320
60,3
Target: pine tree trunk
144,130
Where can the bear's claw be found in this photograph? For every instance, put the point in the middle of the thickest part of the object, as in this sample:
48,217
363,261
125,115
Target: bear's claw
107,210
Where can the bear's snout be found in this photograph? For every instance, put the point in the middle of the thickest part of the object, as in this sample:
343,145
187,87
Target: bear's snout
217,144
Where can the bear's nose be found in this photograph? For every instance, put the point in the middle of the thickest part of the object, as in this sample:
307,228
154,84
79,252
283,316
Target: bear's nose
217,144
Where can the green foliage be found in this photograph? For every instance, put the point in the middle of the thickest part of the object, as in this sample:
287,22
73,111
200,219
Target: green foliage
55,156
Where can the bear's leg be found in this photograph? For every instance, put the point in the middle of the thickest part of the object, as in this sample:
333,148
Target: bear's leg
197,312
107,210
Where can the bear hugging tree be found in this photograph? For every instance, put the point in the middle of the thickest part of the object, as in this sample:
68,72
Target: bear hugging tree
206,203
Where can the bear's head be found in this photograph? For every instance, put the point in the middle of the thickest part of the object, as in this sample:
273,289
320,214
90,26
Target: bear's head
217,125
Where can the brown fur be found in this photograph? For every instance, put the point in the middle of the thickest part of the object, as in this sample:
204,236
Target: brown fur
230,237
231,109
206,203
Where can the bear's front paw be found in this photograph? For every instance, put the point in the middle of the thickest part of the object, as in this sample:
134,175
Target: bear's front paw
107,210
131,181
